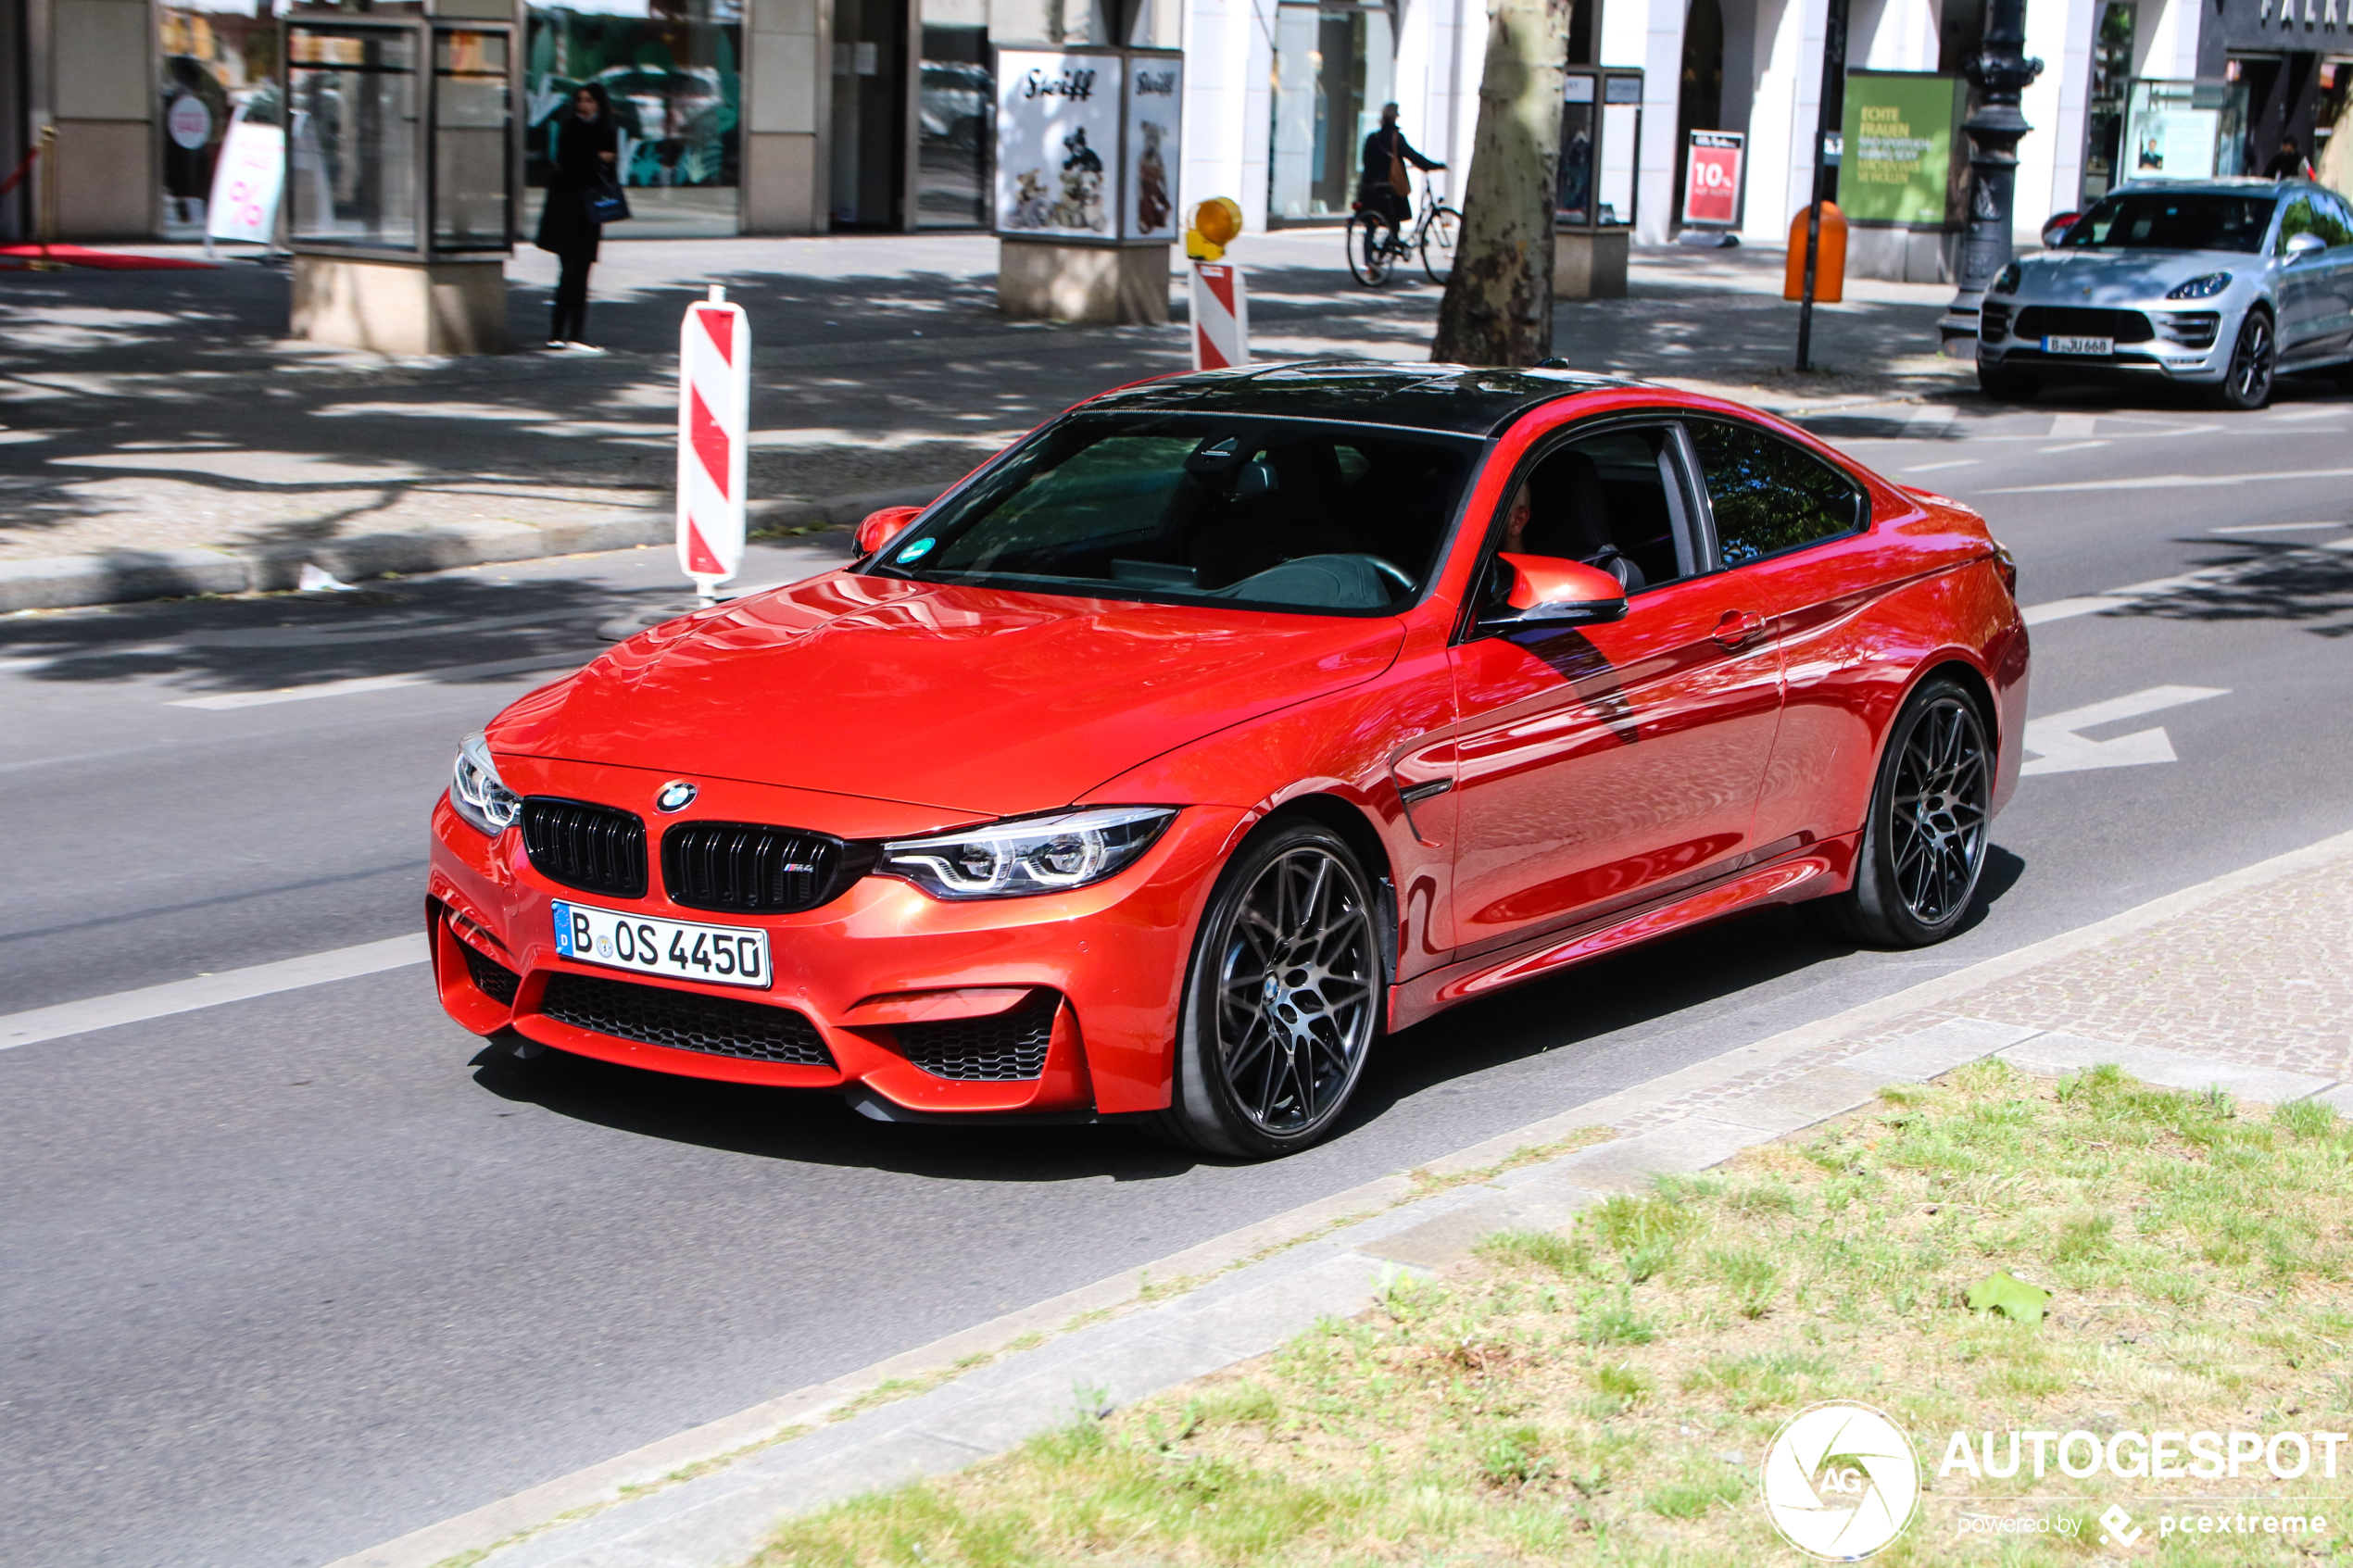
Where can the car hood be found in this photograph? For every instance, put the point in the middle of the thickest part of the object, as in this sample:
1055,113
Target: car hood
973,700
2123,276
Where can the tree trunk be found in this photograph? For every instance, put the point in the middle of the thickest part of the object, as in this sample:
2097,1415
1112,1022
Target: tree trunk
1498,308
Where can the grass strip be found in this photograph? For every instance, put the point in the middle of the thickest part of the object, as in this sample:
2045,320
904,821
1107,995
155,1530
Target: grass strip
1605,1395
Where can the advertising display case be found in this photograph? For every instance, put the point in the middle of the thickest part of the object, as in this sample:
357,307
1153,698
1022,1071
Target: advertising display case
1903,176
1594,211
2183,130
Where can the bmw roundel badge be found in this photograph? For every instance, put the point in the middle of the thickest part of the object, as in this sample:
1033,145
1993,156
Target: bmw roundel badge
676,796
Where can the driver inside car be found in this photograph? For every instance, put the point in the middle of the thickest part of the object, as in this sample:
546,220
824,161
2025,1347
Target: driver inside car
1562,510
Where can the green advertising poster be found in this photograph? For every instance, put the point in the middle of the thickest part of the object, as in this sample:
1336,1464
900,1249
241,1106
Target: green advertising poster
1901,130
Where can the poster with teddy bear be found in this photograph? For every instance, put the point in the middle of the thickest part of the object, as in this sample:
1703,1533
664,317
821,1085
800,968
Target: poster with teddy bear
1057,143
1155,98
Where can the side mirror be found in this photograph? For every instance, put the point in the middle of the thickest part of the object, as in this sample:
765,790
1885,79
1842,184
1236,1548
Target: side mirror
2055,227
2298,246
1548,590
880,528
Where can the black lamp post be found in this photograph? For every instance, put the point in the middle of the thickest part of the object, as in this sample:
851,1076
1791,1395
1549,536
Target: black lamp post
2000,72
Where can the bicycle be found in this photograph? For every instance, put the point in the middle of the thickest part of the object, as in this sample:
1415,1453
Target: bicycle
1375,243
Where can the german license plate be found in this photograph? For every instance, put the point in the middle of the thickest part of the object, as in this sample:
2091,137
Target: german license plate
724,955
2101,346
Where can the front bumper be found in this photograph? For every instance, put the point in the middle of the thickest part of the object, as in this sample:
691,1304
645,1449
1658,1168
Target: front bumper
1108,961
2184,341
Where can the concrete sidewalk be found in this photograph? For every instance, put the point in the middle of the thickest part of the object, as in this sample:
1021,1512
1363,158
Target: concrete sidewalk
2240,982
159,436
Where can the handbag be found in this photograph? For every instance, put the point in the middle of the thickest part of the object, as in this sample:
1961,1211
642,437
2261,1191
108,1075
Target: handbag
1399,181
604,203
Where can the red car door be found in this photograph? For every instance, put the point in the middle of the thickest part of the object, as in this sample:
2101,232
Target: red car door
1601,767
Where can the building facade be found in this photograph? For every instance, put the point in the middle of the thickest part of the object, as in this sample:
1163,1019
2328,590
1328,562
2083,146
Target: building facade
794,117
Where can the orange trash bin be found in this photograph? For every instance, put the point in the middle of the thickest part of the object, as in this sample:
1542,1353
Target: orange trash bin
1830,257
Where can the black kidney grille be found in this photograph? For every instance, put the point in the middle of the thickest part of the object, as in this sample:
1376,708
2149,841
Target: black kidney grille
655,1015
491,978
749,867
1010,1045
594,849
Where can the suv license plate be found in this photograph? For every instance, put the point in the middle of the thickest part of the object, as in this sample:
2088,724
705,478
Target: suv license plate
723,955
2099,345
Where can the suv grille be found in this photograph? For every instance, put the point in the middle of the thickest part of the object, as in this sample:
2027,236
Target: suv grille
1010,1045
491,978
655,1015
594,849
2038,322
746,867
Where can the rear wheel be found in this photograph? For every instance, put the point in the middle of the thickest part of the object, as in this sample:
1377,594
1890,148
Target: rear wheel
1283,999
1445,231
1369,234
2254,360
1923,846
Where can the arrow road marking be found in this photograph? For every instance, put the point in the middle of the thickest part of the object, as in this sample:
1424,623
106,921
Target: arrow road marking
2060,750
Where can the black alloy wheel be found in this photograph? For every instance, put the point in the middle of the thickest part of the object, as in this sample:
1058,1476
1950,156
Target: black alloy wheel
1923,846
1284,999
2253,362
1371,238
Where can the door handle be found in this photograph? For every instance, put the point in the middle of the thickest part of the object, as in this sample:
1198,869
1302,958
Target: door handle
1738,629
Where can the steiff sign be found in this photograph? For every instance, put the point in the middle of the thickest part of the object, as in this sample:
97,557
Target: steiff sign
1903,130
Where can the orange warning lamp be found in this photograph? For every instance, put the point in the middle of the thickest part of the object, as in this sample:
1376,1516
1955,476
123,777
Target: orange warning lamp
1216,224
1830,257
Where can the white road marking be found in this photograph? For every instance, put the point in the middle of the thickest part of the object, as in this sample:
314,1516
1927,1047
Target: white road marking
2064,426
2268,527
208,990
1932,468
2074,446
2060,750
2174,481
360,684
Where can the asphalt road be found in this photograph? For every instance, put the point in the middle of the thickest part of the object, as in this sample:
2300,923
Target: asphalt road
284,1278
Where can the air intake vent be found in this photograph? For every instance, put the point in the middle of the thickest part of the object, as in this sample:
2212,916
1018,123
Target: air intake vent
655,1015
2069,321
594,849
749,868
1009,1046
491,978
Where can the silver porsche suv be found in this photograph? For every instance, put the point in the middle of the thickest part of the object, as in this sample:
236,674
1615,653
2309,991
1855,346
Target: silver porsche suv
2223,283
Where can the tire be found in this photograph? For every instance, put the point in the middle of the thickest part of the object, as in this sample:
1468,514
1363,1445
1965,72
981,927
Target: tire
1923,846
1286,970
1369,235
2004,384
1438,243
2254,365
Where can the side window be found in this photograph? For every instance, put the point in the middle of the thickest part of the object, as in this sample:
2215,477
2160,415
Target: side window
2300,217
1605,500
2334,223
1767,496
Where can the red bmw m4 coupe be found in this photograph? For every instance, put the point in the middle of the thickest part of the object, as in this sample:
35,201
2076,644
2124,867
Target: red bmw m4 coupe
1228,724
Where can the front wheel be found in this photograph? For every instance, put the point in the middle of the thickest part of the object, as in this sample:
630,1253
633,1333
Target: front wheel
1923,846
2004,385
2255,356
1368,242
1439,240
1282,999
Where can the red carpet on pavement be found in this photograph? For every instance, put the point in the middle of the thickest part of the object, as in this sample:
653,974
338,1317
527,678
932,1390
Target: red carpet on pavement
112,261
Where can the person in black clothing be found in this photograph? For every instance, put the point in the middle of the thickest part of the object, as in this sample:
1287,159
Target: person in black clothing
586,149
1376,191
2286,164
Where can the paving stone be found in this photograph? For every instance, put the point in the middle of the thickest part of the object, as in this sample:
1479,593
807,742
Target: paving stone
1627,1164
1927,1053
2173,1069
1433,1244
1803,1100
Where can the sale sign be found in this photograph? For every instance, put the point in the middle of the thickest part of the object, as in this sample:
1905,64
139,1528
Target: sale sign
246,183
1712,180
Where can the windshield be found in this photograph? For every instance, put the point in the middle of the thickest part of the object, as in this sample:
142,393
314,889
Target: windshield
2174,220
1278,513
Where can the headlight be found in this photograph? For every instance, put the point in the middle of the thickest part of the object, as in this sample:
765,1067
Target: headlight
478,793
2202,288
1034,854
2006,281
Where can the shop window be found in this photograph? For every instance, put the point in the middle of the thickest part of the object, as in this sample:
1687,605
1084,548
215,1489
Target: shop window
956,97
2104,119
1334,69
672,70
218,66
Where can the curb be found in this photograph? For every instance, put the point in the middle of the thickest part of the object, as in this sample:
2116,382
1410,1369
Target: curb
571,1522
131,576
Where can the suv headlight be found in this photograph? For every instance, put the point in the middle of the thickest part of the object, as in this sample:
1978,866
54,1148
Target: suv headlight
477,792
2008,278
2202,288
1034,854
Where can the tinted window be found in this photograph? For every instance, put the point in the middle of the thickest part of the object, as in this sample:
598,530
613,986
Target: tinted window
1287,513
1601,500
2313,214
1767,496
2174,221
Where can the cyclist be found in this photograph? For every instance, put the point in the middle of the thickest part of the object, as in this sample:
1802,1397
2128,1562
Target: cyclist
1383,188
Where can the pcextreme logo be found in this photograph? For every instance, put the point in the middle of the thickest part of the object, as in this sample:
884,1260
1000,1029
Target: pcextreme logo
1841,1480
